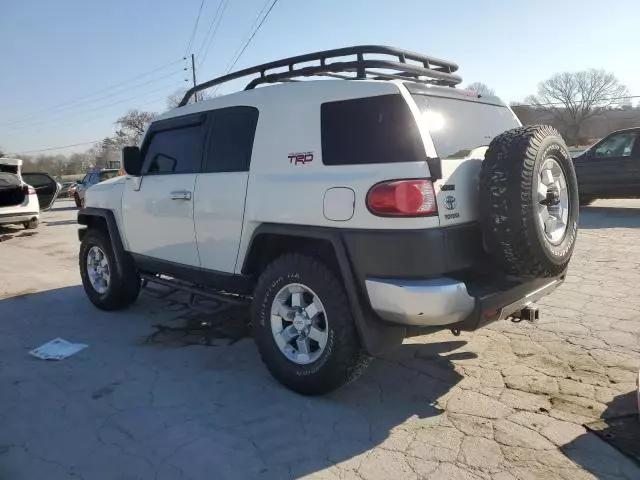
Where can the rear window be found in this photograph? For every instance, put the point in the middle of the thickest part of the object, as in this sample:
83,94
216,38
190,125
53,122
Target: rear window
457,126
369,130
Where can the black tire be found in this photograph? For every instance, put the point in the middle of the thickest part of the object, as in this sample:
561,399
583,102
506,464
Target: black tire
343,358
585,201
124,286
508,202
31,224
76,198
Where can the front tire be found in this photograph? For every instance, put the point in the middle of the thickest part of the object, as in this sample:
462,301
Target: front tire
107,287
304,327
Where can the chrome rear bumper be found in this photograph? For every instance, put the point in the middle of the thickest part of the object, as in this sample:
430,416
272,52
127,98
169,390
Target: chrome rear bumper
446,301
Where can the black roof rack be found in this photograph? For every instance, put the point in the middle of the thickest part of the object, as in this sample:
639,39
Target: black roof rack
421,69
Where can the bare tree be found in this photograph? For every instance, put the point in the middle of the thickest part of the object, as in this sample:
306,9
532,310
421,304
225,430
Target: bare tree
129,129
571,98
174,99
481,88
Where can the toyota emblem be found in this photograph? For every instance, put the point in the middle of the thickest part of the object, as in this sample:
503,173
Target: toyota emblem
450,202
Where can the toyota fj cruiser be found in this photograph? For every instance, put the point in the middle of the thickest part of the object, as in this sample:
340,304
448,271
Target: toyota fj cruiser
351,209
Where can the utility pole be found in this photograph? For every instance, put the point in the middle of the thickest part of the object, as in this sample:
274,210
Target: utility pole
193,72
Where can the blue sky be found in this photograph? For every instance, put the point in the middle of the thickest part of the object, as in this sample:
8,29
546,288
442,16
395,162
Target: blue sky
59,57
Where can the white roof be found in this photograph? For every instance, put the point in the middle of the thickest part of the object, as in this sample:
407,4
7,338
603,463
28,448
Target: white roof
10,161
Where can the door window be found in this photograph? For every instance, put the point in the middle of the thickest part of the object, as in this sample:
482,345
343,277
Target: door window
231,140
617,145
176,150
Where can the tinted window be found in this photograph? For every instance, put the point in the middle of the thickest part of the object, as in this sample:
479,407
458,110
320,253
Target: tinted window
457,126
178,150
231,140
108,175
9,168
369,130
37,179
617,145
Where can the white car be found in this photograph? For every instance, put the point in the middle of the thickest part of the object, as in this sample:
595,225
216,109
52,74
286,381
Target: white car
22,202
352,209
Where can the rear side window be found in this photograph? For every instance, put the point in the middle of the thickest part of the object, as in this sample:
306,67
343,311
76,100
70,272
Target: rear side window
178,150
370,130
108,175
458,126
231,140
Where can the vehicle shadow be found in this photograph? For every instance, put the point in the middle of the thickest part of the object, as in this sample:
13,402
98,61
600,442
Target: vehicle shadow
221,412
601,458
595,217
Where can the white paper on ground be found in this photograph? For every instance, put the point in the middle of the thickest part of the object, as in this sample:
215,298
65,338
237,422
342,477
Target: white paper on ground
57,349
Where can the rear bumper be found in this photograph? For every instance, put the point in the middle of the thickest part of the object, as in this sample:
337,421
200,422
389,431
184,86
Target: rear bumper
446,301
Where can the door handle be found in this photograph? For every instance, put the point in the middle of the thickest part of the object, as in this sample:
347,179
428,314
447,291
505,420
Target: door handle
181,195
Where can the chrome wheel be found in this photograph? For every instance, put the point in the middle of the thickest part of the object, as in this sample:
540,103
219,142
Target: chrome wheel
98,269
299,324
553,201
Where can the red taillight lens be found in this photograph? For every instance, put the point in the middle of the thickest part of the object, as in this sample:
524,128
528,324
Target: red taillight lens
403,198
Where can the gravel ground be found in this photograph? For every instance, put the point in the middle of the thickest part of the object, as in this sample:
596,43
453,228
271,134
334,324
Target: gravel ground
506,402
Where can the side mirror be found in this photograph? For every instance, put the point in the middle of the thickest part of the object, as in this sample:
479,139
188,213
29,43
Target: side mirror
132,161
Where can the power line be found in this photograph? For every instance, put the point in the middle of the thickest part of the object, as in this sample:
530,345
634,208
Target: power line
58,148
213,27
237,57
76,144
66,109
105,89
101,107
195,28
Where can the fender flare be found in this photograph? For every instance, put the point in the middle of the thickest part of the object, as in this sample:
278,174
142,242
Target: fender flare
376,335
84,218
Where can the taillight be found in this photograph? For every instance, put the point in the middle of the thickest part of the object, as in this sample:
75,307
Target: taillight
402,198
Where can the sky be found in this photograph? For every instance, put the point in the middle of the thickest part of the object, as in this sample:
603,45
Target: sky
70,68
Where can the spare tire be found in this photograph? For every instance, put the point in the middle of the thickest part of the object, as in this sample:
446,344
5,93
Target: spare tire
529,201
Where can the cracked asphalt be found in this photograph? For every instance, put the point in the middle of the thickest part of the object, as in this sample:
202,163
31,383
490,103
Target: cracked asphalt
506,402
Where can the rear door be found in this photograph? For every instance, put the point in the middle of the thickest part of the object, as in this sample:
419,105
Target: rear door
608,168
461,129
222,186
157,208
46,187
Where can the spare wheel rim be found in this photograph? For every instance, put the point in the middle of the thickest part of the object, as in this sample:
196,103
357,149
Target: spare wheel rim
299,324
552,201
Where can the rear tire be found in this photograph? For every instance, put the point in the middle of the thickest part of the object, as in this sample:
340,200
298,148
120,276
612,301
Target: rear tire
341,359
529,201
122,288
31,224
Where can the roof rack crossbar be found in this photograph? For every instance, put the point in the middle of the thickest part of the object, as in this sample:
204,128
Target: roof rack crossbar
426,69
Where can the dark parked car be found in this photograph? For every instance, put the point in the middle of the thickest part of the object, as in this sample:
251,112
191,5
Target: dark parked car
610,168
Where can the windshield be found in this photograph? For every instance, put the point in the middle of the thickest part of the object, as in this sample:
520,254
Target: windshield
458,127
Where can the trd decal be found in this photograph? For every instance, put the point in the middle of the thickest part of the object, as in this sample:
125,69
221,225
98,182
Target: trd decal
300,158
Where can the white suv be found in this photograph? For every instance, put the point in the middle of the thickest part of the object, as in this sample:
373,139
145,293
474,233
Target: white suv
351,209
